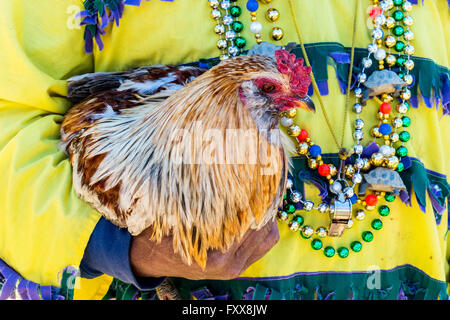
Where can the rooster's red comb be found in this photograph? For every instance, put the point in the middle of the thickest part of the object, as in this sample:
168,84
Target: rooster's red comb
299,74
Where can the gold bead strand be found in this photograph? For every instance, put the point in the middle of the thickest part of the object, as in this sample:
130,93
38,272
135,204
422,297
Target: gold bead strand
272,15
219,28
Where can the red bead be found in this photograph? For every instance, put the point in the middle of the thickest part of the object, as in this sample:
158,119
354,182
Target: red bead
385,108
303,135
371,200
375,12
324,170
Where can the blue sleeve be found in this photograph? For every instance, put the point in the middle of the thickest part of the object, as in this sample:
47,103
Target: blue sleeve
107,252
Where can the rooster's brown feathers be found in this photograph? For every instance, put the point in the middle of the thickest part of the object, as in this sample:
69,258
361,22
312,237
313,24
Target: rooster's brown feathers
134,141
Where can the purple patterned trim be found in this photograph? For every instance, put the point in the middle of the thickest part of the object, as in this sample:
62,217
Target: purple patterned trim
11,283
334,273
96,21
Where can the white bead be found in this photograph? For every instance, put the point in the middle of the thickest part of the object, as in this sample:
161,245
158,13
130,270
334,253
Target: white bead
321,232
409,64
225,4
323,208
408,79
287,122
295,196
360,215
394,137
409,35
358,135
213,3
409,50
230,35
336,187
233,51
390,3
390,22
406,94
384,5
397,122
227,19
407,6
357,177
358,92
308,231
219,29
408,21
357,108
380,20
367,62
362,77
377,33
221,44
308,205
372,48
359,163
358,149
402,108
385,150
289,183
380,54
359,124
216,14
294,225
349,192
255,27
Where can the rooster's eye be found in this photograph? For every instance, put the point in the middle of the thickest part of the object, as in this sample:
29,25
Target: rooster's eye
268,87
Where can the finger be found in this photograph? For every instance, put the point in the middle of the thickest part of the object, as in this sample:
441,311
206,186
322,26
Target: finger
248,247
268,243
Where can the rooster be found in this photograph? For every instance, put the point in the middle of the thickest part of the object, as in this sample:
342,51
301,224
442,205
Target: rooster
134,141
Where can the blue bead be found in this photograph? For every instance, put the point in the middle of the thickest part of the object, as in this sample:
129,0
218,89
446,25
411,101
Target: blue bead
252,5
315,150
385,129
354,199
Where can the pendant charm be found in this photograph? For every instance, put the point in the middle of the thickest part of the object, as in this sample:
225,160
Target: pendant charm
342,213
382,179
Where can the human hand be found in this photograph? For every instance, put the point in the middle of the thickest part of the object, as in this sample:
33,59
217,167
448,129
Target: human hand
149,259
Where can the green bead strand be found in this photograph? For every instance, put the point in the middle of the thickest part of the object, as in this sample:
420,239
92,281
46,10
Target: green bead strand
343,252
356,246
389,197
398,31
237,26
399,46
404,136
406,121
329,252
398,15
367,236
316,244
235,11
384,210
377,224
402,151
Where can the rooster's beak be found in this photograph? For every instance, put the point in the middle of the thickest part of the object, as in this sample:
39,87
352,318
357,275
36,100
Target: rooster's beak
305,103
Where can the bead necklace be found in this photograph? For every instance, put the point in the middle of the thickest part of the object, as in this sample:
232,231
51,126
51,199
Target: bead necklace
228,27
384,83
272,15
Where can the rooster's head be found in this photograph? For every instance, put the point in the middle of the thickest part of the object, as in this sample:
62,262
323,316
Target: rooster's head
279,84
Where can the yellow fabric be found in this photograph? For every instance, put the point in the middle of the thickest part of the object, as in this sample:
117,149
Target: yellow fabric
44,227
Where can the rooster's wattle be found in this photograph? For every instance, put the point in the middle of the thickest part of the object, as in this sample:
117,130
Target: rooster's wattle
189,152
